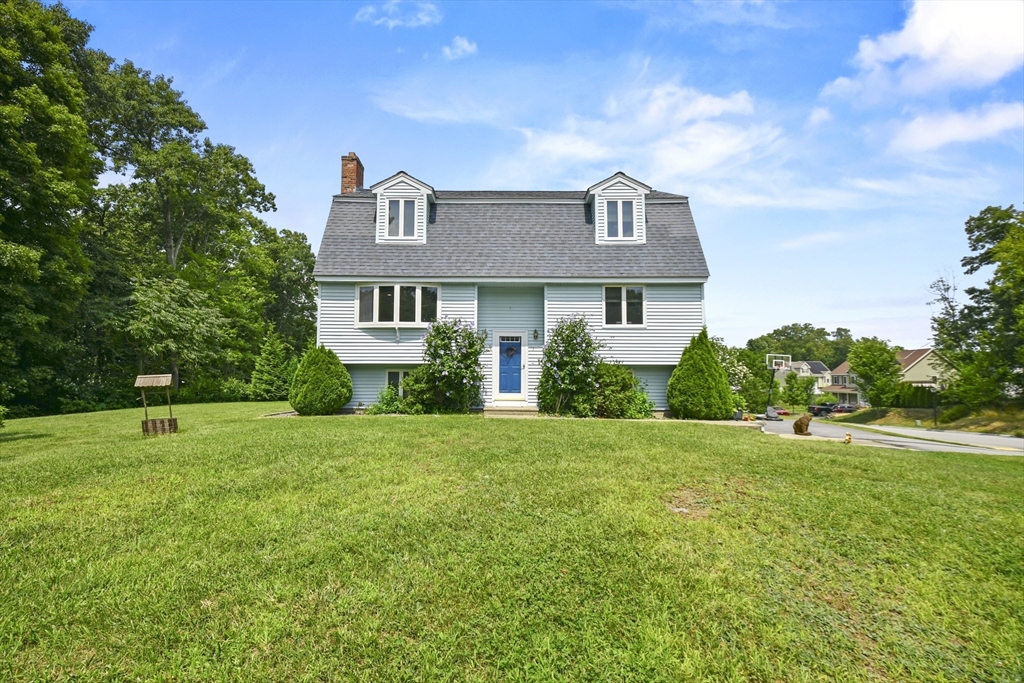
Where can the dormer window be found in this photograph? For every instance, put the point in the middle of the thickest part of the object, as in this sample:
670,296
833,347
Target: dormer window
403,206
620,219
619,210
402,218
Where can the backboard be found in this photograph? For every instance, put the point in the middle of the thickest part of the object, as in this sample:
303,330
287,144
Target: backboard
777,361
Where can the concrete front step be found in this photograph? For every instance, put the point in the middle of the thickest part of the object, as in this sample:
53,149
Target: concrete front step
510,411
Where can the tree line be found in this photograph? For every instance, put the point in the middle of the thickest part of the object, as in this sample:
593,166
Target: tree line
164,266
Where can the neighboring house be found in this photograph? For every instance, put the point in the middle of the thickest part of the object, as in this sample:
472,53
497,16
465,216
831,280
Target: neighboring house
400,255
808,368
920,367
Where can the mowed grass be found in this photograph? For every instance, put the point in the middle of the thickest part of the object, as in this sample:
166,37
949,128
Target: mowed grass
463,548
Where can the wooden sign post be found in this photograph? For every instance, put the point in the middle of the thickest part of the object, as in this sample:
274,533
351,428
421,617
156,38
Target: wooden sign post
167,425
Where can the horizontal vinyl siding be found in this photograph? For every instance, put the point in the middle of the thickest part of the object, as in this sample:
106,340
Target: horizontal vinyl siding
655,380
674,315
517,310
336,325
367,381
459,301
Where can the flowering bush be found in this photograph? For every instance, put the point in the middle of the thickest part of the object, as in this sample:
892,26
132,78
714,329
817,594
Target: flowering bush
568,375
451,368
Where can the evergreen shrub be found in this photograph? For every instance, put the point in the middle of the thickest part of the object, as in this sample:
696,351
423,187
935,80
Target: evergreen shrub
321,385
699,388
274,370
619,394
568,375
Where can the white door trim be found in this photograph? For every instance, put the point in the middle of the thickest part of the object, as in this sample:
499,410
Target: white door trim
496,396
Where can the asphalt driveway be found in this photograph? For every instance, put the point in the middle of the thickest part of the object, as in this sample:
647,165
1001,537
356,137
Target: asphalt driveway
910,438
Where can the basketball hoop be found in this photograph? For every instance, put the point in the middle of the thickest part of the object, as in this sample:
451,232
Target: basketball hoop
775,362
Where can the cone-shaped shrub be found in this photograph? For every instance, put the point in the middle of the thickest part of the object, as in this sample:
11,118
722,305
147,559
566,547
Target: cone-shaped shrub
321,385
273,373
699,388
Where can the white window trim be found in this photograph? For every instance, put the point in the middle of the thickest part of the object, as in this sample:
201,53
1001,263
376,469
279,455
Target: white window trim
623,324
401,236
395,323
402,374
524,376
618,210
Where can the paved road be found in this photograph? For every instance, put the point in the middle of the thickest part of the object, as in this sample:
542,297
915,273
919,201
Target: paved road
958,442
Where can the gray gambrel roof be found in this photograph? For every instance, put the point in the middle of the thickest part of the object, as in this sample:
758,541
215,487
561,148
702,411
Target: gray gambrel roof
505,234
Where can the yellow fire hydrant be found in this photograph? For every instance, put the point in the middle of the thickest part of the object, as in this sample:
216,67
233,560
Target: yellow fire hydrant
849,438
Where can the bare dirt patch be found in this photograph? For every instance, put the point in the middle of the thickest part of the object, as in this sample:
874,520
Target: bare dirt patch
689,503
697,502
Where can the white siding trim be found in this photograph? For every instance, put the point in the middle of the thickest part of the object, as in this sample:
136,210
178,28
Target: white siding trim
536,281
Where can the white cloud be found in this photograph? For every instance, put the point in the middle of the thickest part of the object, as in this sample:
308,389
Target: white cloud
460,47
931,131
941,45
396,13
662,132
818,116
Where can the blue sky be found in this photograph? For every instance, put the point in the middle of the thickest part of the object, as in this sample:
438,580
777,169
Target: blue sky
831,151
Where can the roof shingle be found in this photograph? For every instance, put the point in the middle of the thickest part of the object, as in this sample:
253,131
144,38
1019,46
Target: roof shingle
510,239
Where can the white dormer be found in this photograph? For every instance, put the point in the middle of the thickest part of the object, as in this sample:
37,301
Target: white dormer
620,215
403,204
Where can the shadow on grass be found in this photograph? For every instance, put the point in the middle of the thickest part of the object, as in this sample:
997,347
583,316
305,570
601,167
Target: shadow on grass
4,438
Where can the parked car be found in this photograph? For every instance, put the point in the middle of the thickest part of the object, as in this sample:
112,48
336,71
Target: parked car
781,411
844,408
821,410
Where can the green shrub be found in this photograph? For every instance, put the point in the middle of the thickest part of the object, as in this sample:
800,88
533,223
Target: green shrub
639,406
389,402
568,375
699,388
3,414
235,389
273,373
957,412
321,385
827,397
619,394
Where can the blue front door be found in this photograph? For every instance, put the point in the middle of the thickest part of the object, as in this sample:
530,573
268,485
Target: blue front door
510,365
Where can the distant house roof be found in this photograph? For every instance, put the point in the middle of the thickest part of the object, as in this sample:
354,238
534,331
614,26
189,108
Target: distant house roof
815,366
510,234
908,358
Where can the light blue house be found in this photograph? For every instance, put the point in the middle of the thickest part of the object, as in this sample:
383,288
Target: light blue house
400,254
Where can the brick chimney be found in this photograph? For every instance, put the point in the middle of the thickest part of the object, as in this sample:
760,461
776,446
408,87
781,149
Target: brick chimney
351,173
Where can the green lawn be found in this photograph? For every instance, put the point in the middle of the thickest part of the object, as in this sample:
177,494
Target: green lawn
463,548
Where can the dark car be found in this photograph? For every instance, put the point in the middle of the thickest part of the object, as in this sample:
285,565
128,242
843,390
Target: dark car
822,410
844,408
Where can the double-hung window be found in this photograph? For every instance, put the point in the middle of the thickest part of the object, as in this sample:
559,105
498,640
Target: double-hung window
623,305
395,379
401,218
397,304
620,218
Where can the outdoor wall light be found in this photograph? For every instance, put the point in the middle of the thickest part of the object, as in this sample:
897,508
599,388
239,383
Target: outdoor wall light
536,335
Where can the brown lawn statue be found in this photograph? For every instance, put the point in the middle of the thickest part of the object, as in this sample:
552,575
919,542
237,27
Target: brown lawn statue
800,426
